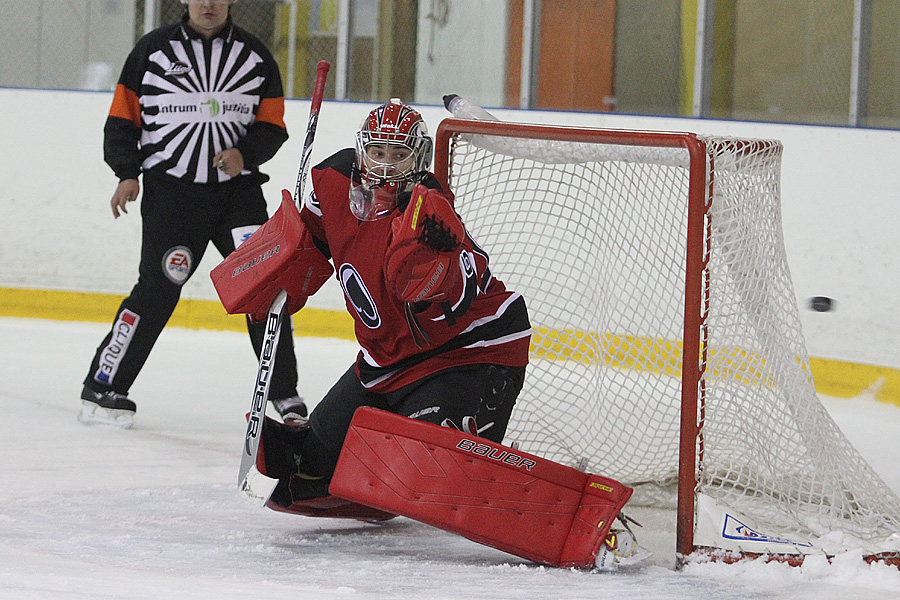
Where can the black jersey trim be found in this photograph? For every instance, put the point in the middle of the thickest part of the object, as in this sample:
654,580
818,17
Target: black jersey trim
513,320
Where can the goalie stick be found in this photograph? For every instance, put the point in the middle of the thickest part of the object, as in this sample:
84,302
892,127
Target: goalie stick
315,105
253,485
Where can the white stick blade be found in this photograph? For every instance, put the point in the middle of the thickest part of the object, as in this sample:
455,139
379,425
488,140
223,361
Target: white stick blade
257,488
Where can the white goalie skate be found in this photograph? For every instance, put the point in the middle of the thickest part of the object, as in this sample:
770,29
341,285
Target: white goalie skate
620,549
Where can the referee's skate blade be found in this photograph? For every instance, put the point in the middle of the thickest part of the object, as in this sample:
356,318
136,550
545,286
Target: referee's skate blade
92,413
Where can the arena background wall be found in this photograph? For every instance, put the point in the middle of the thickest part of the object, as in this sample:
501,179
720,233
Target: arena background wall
64,257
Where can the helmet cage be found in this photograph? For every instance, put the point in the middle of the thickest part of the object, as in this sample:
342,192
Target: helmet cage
381,182
395,124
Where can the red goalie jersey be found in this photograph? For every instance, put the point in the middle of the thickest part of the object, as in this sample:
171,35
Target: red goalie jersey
471,318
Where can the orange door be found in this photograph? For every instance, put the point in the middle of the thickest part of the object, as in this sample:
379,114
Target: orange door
576,52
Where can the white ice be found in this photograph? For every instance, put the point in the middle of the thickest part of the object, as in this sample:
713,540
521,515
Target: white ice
153,512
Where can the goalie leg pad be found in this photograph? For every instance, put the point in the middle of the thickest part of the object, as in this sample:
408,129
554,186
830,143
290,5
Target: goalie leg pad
279,255
490,493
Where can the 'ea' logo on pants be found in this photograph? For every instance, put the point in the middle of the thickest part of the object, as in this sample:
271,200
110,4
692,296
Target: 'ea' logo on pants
176,264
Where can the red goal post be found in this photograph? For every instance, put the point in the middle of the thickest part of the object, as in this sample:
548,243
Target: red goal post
667,349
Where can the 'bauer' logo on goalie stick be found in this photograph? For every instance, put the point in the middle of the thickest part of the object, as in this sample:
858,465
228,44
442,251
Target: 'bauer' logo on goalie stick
257,409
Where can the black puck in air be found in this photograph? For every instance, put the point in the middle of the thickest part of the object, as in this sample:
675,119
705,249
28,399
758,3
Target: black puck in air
821,303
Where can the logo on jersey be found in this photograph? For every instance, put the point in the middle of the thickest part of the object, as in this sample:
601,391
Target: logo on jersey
468,264
184,128
196,108
111,356
359,296
176,264
213,105
470,289
178,69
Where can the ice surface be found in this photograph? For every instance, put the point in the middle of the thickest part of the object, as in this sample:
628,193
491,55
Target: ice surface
154,512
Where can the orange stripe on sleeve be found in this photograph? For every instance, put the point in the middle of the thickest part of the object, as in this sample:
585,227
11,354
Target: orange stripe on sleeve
125,105
271,110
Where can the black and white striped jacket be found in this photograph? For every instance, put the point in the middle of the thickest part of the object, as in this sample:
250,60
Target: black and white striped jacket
182,99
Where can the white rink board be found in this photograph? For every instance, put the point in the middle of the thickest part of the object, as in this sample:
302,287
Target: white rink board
838,200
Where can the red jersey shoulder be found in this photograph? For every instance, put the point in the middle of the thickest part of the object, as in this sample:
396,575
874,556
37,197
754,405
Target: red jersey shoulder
338,164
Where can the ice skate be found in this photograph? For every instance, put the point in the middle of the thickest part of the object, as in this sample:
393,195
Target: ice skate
281,459
106,408
292,410
620,549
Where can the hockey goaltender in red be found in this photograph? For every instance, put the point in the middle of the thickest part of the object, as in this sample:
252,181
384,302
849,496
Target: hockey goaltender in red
415,426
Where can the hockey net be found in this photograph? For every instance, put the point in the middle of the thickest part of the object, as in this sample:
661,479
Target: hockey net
666,347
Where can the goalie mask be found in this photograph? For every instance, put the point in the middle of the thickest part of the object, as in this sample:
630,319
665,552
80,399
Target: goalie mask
393,153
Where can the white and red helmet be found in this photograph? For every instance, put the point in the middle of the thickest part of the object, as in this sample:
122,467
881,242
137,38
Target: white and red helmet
391,126
397,124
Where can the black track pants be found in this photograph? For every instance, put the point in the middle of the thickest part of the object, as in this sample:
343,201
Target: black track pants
484,391
179,220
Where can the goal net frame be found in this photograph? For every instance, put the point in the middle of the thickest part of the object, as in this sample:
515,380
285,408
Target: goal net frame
699,519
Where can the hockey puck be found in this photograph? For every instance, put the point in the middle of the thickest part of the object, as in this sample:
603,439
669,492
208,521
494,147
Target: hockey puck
821,303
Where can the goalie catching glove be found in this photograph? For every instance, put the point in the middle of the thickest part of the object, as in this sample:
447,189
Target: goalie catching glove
279,255
422,258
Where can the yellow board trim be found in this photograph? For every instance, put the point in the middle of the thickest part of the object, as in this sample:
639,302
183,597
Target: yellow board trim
848,380
192,314
835,378
661,357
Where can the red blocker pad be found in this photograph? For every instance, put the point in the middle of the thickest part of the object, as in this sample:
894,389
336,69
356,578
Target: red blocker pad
490,493
279,255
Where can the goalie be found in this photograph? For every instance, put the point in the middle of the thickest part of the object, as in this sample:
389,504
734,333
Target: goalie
442,340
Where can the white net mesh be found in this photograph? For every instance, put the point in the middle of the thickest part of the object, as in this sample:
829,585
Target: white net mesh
769,447
594,236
